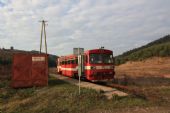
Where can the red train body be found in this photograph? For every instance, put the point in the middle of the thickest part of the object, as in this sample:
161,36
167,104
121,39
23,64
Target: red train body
98,65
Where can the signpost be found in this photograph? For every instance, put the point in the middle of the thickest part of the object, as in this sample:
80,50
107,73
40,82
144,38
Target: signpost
79,70
79,52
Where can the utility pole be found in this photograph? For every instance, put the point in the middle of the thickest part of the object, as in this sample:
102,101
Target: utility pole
43,31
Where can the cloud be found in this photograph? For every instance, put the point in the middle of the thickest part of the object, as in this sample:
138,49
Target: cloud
118,25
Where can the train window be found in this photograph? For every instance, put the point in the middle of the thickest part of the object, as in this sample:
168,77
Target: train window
76,61
101,58
62,62
68,61
107,58
72,61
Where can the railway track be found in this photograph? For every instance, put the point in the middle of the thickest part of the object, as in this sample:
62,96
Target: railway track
135,92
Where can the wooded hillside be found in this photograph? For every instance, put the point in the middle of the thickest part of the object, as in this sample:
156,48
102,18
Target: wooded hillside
158,48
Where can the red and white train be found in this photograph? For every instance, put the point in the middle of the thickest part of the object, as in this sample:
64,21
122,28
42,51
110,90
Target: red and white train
98,65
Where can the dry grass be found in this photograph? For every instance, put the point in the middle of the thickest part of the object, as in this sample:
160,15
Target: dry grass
61,97
150,67
150,77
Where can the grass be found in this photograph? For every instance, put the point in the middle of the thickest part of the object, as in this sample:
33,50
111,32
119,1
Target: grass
156,90
61,97
4,82
142,81
165,91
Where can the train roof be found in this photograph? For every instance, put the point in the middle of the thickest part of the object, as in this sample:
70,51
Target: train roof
98,51
68,57
87,52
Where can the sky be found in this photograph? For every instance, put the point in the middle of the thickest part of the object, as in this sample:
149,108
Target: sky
118,25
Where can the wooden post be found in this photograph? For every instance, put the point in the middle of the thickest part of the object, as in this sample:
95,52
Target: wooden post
43,31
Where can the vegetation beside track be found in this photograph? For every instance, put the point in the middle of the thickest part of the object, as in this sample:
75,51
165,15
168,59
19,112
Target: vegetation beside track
59,97
156,90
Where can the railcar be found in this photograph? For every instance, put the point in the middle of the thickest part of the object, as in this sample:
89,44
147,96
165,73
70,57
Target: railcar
98,65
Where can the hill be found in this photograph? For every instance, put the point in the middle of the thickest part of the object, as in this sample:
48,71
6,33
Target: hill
157,48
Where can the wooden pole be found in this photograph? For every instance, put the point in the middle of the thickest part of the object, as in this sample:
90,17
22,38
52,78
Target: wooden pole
45,38
43,31
41,36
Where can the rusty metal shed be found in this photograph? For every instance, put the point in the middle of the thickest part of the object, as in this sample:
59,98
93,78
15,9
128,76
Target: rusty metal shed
29,70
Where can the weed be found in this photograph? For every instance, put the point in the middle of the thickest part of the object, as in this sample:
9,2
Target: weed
128,101
165,91
4,83
7,93
4,96
101,91
24,93
116,97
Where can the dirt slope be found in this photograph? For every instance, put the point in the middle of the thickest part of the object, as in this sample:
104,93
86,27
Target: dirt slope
155,66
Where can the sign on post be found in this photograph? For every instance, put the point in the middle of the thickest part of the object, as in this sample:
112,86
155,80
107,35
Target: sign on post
79,66
79,52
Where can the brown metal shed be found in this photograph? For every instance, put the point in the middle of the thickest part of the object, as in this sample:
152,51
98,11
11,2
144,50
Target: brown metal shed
29,70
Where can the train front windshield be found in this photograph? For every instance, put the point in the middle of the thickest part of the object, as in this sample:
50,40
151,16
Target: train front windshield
101,58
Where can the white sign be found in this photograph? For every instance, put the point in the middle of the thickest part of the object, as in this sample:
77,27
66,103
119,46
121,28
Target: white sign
38,59
78,51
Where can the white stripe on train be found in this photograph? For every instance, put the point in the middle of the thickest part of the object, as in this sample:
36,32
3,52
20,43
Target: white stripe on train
86,68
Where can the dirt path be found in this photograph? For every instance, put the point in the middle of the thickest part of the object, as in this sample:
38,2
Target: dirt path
108,91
